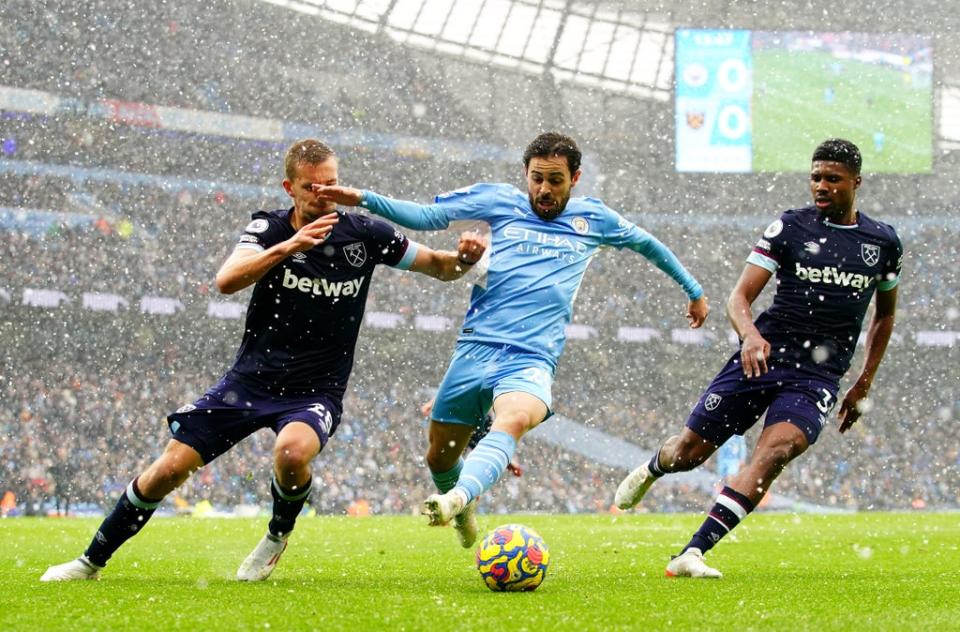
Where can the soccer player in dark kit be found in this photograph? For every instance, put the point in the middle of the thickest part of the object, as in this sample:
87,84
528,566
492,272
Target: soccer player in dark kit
311,268
830,260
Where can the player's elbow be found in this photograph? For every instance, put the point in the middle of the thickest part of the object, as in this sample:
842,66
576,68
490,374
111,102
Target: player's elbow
226,284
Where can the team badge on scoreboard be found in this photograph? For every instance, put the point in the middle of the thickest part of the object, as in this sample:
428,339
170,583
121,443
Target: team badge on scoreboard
356,254
696,119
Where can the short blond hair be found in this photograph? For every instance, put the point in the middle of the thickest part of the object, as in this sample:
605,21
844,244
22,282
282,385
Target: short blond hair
306,151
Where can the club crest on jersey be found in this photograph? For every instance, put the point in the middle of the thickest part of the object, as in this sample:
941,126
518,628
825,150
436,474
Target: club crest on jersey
356,254
712,401
581,225
870,254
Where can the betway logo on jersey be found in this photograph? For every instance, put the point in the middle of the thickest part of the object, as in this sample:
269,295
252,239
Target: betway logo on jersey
350,287
832,276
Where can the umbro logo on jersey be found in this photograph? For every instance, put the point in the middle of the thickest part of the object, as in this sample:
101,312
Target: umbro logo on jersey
318,287
299,257
833,276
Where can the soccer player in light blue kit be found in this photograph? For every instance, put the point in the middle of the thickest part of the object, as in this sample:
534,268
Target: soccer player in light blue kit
514,330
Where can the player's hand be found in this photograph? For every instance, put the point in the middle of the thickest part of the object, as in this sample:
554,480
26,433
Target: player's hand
697,312
514,468
427,407
314,233
344,196
754,353
854,404
471,247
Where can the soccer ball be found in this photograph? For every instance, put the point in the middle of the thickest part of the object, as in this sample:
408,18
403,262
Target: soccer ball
513,558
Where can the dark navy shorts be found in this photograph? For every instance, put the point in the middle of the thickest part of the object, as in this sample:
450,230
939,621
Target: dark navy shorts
231,411
733,403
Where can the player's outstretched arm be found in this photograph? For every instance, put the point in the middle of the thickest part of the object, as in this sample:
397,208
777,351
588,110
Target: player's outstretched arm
754,350
246,266
446,265
342,196
878,335
407,214
631,236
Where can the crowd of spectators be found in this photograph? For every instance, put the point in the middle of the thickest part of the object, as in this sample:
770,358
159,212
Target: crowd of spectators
247,58
85,395
146,238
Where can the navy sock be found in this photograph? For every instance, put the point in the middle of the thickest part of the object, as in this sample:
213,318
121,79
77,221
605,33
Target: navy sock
287,504
654,465
731,507
128,517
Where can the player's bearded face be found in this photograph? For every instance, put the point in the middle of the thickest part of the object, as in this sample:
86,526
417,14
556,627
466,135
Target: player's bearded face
834,190
305,202
549,184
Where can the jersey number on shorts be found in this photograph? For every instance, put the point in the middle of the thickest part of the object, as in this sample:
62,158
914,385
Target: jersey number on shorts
826,404
326,419
537,376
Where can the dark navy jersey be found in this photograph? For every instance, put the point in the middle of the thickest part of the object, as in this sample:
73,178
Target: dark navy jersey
826,275
305,313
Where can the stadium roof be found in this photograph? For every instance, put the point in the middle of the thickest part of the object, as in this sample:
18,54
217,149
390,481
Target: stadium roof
613,45
606,46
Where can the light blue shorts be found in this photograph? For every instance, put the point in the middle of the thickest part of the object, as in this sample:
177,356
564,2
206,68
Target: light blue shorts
480,372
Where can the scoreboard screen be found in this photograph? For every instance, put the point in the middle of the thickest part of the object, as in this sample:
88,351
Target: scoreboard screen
761,101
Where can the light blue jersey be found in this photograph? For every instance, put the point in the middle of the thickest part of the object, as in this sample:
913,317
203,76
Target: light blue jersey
536,265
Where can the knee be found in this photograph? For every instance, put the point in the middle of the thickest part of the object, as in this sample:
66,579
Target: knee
291,456
516,423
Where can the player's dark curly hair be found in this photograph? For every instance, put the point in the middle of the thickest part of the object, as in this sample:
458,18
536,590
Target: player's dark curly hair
839,150
305,151
553,144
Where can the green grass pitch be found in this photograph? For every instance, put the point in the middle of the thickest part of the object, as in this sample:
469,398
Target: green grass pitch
871,571
791,116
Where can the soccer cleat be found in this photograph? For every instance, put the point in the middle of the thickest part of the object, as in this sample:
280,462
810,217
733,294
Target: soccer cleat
465,524
262,560
632,488
80,568
442,508
690,564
